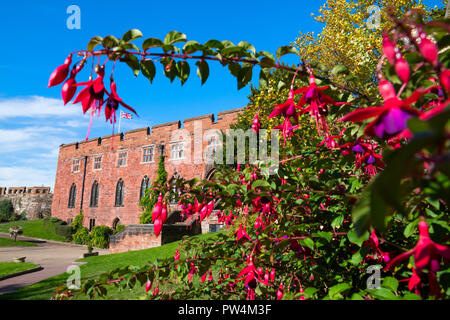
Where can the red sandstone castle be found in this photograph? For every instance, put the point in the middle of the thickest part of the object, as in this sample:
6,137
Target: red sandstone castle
108,184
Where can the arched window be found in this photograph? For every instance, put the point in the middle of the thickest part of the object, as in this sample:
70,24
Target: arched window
94,194
72,196
119,193
145,184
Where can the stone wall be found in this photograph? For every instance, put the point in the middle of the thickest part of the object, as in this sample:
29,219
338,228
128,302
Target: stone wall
35,201
142,236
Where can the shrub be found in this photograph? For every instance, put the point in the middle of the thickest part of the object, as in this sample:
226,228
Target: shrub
77,223
81,236
64,231
23,215
6,210
119,228
100,236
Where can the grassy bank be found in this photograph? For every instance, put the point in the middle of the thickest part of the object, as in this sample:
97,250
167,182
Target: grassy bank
7,268
34,229
7,242
94,267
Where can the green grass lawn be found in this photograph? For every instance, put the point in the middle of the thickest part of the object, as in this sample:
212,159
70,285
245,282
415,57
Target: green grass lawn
34,229
7,242
7,268
94,267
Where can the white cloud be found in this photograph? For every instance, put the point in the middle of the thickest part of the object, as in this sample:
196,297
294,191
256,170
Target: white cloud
26,177
36,107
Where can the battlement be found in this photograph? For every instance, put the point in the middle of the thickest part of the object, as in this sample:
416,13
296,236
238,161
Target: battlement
161,131
24,190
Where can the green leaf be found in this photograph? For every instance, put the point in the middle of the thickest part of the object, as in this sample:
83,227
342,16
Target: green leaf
202,70
148,69
383,294
174,37
94,42
231,50
307,242
339,69
247,46
133,63
151,43
110,42
214,44
132,34
260,183
353,238
183,71
390,283
356,258
281,51
227,43
192,46
337,289
410,228
244,76
266,62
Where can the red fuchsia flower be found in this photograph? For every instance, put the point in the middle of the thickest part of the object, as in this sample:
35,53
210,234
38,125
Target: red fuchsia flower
60,73
287,110
272,275
192,272
163,215
177,255
378,254
396,59
280,292
112,103
148,286
157,208
157,225
427,256
92,96
427,48
414,282
318,103
391,118
331,142
251,276
69,87
241,233
256,125
445,79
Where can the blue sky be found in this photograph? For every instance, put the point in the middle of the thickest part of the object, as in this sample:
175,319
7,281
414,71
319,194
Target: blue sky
35,40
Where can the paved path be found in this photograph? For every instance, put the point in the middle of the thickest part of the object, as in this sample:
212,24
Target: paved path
54,257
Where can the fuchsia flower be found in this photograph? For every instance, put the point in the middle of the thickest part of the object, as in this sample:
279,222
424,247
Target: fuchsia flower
374,243
365,156
60,73
318,103
280,292
427,256
287,110
331,142
396,59
256,125
148,286
112,103
251,276
241,233
391,118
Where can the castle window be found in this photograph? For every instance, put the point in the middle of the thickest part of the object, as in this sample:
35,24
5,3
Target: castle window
213,144
75,165
91,224
145,184
147,154
122,159
119,193
72,196
94,194
177,151
97,163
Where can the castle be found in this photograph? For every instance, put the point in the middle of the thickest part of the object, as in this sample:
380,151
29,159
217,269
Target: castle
106,177
33,202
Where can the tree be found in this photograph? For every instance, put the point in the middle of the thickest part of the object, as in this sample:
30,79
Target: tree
6,210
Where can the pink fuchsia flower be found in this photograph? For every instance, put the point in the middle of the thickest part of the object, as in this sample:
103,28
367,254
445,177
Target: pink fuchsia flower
256,125
241,233
396,59
391,118
177,255
112,103
427,256
287,110
60,73
374,243
251,276
318,103
445,79
92,96
331,142
157,208
280,292
148,285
